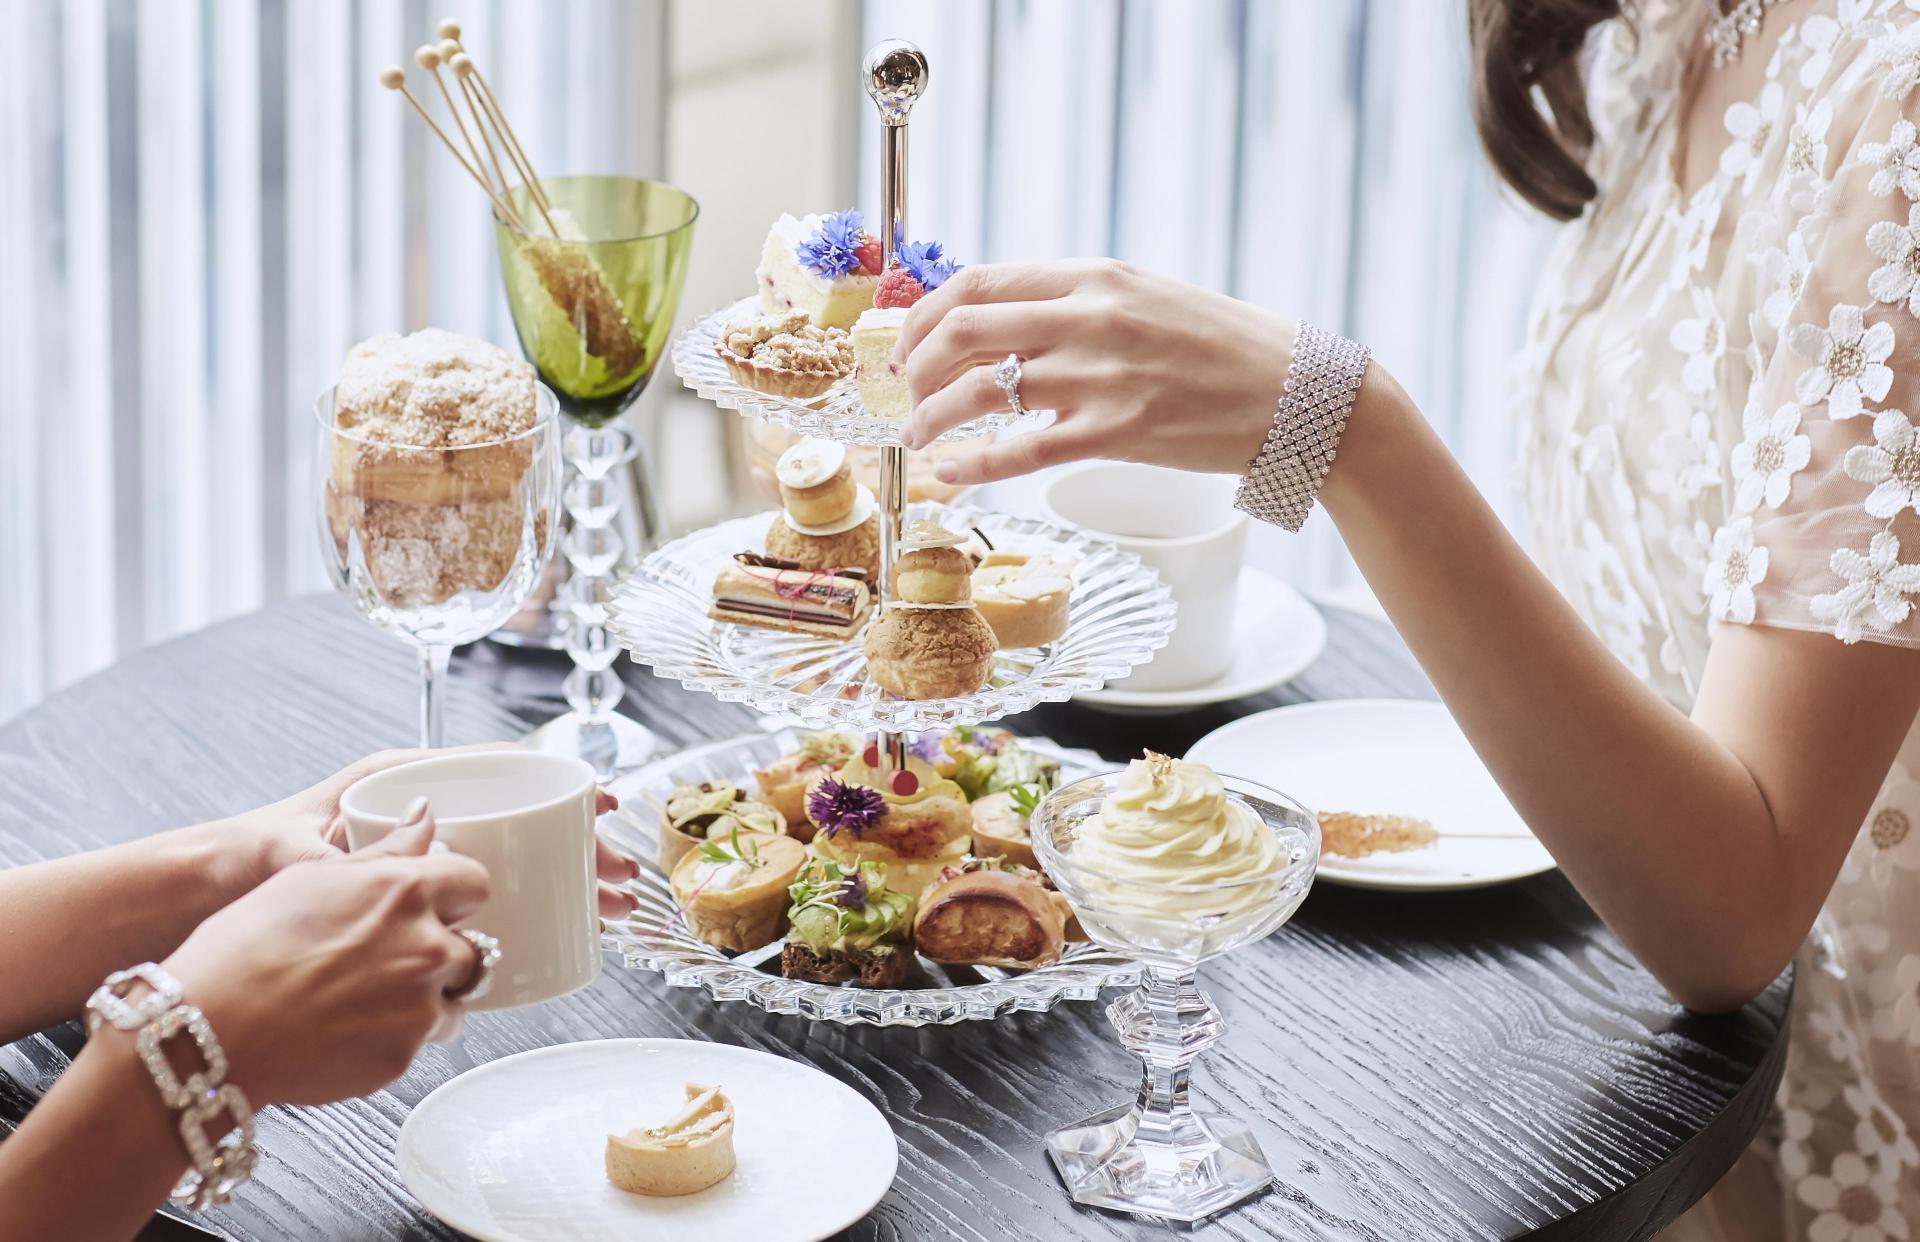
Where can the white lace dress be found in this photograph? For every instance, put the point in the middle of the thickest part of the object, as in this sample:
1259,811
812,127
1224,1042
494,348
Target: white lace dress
1717,432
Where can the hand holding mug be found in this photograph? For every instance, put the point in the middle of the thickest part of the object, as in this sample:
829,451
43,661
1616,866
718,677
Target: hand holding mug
323,982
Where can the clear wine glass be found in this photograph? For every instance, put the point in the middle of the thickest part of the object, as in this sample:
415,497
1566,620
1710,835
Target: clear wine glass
438,546
1156,1156
593,307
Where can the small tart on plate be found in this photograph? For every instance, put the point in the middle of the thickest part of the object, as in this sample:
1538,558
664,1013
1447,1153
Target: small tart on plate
688,1152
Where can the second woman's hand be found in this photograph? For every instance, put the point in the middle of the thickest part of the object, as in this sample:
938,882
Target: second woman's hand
324,981
1137,367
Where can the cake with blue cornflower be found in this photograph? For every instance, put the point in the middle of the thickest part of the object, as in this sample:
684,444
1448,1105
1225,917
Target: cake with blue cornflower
825,266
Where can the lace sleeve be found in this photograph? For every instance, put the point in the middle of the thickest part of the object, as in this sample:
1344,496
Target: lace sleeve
1826,482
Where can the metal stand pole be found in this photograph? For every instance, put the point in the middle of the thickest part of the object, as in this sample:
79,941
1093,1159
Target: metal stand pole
896,74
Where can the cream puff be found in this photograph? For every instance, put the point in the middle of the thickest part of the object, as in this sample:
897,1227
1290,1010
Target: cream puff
827,522
924,653
930,643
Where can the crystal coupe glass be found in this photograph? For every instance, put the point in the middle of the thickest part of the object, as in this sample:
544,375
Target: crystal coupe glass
1156,1156
593,308
437,545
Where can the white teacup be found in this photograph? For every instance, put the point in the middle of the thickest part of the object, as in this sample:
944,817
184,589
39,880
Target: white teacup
1185,526
528,818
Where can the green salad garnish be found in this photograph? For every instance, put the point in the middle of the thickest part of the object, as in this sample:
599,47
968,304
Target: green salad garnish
1026,797
836,909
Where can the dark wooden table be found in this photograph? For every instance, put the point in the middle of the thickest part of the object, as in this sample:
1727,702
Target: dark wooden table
1452,1066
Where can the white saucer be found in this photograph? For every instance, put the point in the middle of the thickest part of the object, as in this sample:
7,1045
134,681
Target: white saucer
1277,634
514,1151
1386,757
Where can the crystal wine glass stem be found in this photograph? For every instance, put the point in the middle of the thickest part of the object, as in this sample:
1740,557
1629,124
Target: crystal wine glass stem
1167,1024
593,549
433,690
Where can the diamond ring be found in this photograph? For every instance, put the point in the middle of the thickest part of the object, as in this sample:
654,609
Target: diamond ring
1007,375
486,956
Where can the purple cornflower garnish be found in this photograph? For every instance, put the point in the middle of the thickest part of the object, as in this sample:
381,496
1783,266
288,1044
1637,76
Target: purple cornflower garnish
927,747
832,250
852,893
927,263
834,806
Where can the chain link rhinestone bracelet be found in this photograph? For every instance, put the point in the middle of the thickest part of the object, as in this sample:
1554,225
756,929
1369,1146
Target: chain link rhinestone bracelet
1323,378
220,1164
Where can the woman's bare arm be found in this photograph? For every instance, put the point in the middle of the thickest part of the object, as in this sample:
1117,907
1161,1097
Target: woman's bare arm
1708,844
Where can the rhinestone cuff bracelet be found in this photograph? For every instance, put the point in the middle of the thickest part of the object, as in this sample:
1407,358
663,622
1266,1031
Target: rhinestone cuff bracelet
1322,380
219,1164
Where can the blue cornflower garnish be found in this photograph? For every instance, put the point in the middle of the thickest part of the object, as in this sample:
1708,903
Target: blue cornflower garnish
926,746
835,806
831,250
927,263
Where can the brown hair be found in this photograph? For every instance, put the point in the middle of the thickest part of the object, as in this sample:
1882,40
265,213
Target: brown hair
1538,145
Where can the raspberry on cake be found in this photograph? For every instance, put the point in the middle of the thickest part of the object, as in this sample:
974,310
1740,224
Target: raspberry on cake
823,266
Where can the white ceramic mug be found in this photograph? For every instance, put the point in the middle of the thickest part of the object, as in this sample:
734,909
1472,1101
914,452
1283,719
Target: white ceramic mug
1185,526
528,818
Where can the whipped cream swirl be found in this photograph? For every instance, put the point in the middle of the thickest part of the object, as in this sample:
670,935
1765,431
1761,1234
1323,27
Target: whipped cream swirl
1170,823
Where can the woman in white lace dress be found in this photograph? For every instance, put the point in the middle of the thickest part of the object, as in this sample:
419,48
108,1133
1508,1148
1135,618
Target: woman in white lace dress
1706,704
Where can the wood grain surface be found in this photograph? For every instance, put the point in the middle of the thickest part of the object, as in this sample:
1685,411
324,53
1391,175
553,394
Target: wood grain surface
1483,1065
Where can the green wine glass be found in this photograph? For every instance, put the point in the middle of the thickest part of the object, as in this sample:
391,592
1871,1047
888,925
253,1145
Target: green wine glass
593,281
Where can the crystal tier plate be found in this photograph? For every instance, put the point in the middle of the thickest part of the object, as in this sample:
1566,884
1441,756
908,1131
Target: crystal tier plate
836,416
654,939
1120,614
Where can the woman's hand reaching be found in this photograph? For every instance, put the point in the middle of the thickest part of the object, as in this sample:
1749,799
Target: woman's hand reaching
1137,367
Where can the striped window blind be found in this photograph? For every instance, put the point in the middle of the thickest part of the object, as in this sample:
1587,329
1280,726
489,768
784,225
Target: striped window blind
209,202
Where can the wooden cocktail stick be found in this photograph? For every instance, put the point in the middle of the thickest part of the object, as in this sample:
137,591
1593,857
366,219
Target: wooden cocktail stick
463,69
429,58
449,31
394,78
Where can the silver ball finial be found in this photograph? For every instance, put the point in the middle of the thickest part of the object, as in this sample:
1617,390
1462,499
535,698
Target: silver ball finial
896,78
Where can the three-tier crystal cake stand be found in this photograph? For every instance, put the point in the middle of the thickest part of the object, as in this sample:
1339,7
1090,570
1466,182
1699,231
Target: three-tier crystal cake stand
1120,613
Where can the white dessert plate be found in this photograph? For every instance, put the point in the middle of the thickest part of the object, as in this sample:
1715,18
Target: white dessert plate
1277,635
1386,757
514,1151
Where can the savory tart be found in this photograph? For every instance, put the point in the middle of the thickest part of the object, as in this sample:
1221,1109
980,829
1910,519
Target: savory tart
688,1152
912,820
696,813
784,782
732,891
991,914
1000,825
848,926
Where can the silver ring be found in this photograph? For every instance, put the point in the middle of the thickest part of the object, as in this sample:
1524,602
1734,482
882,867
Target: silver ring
1007,375
486,956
